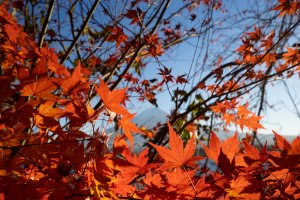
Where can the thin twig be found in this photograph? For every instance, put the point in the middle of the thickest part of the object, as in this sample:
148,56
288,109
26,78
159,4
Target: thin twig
86,21
45,25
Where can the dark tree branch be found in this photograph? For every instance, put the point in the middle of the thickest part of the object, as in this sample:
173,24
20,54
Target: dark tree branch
86,21
45,25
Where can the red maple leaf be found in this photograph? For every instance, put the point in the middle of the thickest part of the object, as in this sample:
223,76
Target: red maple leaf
117,35
153,180
180,79
237,186
296,145
292,56
251,151
41,88
282,143
75,83
230,147
156,50
134,15
177,155
180,181
134,164
129,127
287,7
112,99
213,151
46,109
278,175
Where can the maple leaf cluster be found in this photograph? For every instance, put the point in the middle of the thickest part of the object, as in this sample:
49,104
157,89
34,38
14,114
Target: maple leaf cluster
238,115
45,153
287,7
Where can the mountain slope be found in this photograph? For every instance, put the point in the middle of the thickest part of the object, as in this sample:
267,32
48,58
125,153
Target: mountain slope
150,117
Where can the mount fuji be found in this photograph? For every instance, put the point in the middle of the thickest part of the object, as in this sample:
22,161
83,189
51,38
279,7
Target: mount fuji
149,118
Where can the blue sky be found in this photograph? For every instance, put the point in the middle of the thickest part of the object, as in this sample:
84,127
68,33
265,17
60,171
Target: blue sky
279,115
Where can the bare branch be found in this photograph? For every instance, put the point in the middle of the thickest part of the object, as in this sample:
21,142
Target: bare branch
45,25
86,21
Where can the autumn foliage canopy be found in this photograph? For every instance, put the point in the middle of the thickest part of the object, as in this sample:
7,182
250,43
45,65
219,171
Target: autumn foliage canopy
45,152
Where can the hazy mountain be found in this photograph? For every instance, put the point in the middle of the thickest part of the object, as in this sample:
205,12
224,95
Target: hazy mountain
150,117
269,138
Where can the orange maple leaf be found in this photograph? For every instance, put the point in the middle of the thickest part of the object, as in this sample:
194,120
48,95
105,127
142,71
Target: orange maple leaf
251,122
117,35
203,189
243,117
243,110
255,35
270,58
237,186
229,118
222,107
215,145
134,164
75,83
121,186
251,151
230,147
292,56
153,180
177,155
296,145
278,175
180,181
219,108
129,127
138,161
156,50
41,88
134,15
46,109
112,99
287,7
128,171
282,143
